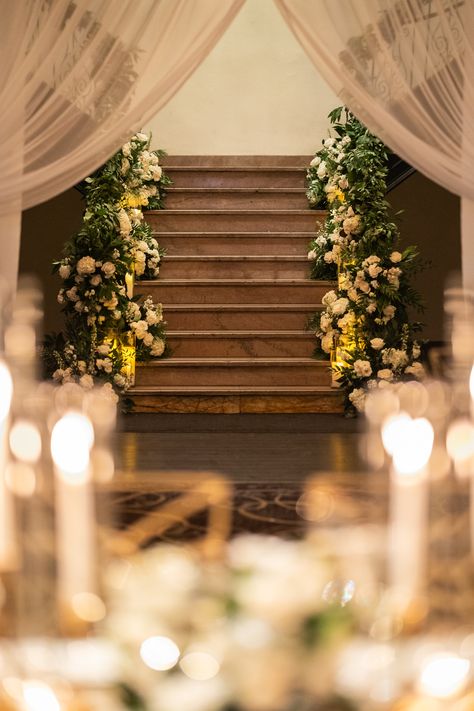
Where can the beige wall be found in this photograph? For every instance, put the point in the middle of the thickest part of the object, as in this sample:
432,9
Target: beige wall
256,93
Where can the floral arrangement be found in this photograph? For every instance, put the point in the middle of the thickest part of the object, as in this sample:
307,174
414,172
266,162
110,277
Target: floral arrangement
114,246
243,633
365,323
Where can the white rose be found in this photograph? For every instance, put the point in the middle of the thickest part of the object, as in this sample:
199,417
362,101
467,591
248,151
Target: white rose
352,294
377,343
312,254
142,137
321,241
86,381
328,257
395,257
119,380
374,270
58,374
108,268
158,347
126,149
79,306
389,312
329,298
328,142
325,322
357,397
321,172
416,369
385,374
371,308
327,342
95,280
362,368
60,297
86,265
103,349
416,351
64,271
156,172
315,162
111,303
343,182
339,306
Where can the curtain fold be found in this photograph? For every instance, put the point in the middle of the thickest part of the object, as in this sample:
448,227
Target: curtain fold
406,69
77,78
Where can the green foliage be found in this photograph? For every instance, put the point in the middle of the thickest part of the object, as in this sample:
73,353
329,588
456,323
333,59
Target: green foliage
366,318
113,243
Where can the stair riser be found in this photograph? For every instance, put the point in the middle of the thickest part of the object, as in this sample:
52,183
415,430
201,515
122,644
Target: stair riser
331,402
217,347
226,245
234,222
237,178
307,293
248,376
244,269
190,200
236,320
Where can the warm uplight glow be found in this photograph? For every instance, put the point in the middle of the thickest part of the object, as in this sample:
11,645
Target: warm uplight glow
20,478
39,697
460,440
199,666
71,439
444,675
88,607
159,653
6,390
409,441
25,441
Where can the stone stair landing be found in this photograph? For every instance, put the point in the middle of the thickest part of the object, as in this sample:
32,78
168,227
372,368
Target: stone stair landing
236,291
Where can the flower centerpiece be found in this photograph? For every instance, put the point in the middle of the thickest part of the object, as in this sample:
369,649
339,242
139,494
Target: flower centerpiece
365,321
104,322
245,632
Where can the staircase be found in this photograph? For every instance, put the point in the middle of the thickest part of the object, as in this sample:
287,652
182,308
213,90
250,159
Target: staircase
236,292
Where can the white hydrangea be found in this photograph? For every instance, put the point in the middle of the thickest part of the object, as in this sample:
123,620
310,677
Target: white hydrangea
339,306
157,348
357,398
64,271
329,298
362,368
322,172
86,265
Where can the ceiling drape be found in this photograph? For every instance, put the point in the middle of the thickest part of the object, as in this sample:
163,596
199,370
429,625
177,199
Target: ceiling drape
406,69
77,77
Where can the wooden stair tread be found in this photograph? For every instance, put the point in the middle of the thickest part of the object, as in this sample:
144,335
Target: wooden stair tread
240,334
218,235
239,190
230,362
232,282
236,257
236,168
222,389
223,211
240,307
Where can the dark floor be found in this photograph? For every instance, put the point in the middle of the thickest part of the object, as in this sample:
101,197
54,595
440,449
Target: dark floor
267,459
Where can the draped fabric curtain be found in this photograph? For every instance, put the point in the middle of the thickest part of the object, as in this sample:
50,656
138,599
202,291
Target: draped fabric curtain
77,77
406,69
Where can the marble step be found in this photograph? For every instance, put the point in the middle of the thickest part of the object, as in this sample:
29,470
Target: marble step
235,267
238,317
237,177
229,243
235,220
241,344
240,291
233,371
205,198
236,399
256,162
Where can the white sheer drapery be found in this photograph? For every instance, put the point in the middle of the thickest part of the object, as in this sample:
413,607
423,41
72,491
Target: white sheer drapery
406,69
77,77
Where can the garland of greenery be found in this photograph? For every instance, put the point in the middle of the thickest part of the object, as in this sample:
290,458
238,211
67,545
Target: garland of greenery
113,241
365,323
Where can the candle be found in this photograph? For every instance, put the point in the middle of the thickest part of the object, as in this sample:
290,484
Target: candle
71,441
409,442
129,281
8,548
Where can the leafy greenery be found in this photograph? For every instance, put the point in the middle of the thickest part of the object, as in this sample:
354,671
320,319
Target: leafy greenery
103,319
365,322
